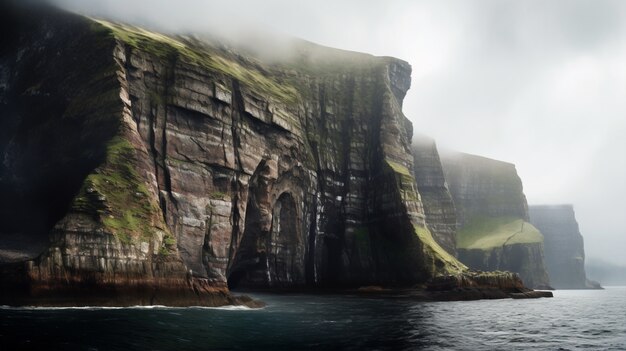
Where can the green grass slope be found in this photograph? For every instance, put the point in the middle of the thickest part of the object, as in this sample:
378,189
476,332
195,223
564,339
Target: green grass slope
489,232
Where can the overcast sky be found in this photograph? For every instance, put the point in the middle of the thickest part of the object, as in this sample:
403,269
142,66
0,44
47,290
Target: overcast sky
541,84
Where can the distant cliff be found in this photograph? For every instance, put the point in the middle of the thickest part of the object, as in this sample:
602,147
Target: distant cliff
492,215
605,272
151,168
563,245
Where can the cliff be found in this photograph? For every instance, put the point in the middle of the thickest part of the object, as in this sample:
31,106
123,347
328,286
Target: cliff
563,245
492,215
607,273
431,183
145,168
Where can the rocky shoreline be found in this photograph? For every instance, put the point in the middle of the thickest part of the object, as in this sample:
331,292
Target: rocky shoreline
197,292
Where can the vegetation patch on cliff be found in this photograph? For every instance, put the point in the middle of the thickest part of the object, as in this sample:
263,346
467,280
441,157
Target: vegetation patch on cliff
406,181
192,51
447,263
489,232
118,196
398,168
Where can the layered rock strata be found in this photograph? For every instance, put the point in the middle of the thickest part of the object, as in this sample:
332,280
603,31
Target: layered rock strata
492,215
563,245
431,184
149,166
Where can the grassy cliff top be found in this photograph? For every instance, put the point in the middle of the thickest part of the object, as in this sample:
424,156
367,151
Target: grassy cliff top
269,66
201,54
489,232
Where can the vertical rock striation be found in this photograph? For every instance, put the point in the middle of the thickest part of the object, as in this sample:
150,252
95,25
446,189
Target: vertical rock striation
483,187
563,245
431,184
492,214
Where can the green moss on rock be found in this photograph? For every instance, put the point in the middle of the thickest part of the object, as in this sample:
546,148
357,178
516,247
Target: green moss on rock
406,181
118,196
398,168
447,263
168,47
168,245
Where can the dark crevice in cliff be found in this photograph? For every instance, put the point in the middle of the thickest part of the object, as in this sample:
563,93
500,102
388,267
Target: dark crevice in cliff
248,262
309,264
236,108
224,153
331,271
154,153
206,243
376,175
283,243
346,125
169,80
315,225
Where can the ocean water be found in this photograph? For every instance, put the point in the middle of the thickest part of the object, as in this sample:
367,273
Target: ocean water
572,320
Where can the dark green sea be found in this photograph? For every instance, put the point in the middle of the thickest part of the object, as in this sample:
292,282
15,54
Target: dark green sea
572,320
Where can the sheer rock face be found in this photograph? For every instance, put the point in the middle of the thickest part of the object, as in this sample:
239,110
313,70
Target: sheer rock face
431,183
492,215
483,187
564,246
166,164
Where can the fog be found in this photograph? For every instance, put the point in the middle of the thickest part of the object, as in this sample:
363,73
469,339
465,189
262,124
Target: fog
541,84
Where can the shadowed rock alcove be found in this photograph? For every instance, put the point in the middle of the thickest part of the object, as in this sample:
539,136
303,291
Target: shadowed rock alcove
271,248
285,243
